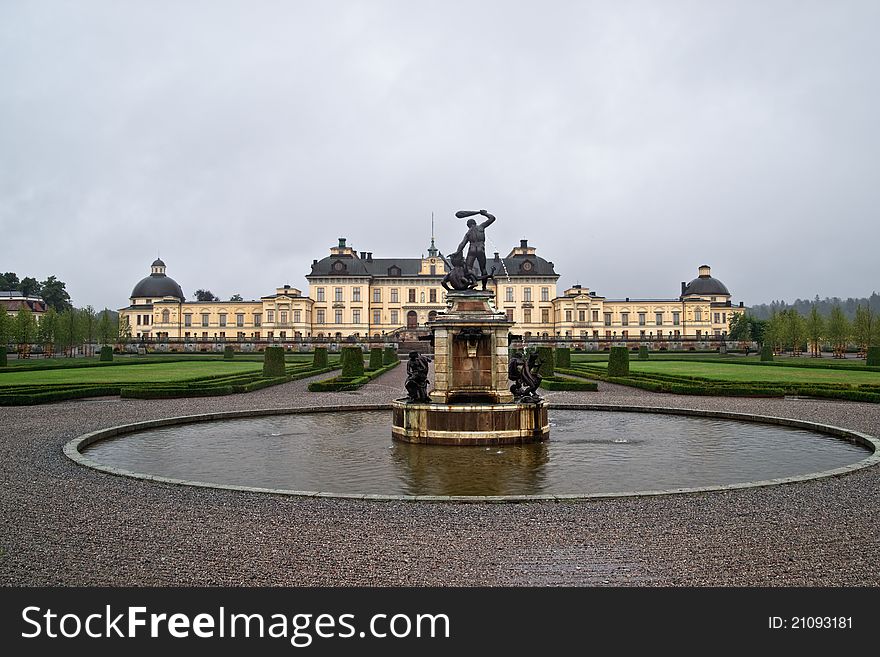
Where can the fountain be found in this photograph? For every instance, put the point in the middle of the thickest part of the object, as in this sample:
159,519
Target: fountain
471,402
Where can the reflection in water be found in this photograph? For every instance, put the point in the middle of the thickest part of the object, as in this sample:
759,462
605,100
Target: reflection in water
588,452
500,470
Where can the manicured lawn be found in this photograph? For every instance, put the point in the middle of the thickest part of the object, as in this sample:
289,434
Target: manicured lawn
741,372
179,371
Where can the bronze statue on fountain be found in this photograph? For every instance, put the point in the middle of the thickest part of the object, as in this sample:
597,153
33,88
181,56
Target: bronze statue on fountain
526,377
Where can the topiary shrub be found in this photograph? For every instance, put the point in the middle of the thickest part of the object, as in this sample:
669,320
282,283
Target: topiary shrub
389,356
545,355
352,362
3,361
228,353
320,359
273,361
618,361
643,352
563,357
106,353
375,358
873,356
766,352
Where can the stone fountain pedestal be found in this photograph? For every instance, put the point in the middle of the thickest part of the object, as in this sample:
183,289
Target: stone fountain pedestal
471,403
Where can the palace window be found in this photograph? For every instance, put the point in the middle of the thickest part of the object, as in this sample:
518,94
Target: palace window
394,317
377,317
545,315
624,319
508,294
698,316
166,316
319,295
717,318
509,313
607,319
356,294
527,315
377,295
188,319
258,319
596,316
256,335
412,295
222,319
433,270
394,298
270,316
658,319
337,294
239,319
320,315
545,294
595,335
283,315
582,315
338,317
624,334
642,335
356,316
205,319
283,335
642,319
241,335
567,315
297,316
432,295
138,320
676,318
527,294
677,334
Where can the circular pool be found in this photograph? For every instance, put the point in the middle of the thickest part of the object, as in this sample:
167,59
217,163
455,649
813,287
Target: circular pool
590,453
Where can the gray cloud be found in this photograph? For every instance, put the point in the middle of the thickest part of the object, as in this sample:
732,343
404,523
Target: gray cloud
629,141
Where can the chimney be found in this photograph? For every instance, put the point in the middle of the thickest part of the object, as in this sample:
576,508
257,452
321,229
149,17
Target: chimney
363,255
627,299
740,304
314,263
370,256
683,286
497,257
523,244
341,242
286,286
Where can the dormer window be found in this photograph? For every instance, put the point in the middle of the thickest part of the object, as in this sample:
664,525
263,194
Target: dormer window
394,270
338,266
527,265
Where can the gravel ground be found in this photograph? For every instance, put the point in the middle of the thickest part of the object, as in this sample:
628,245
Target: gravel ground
63,524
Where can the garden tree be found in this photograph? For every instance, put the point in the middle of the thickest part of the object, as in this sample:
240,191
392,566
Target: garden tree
795,330
123,329
774,332
837,331
54,294
815,331
29,287
740,328
106,332
88,323
863,327
69,331
46,331
9,281
25,329
205,295
236,297
6,322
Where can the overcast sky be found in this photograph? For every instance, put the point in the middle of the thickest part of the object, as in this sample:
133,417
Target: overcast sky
630,142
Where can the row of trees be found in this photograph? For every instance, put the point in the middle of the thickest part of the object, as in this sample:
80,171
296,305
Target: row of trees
824,306
63,331
789,330
207,295
52,290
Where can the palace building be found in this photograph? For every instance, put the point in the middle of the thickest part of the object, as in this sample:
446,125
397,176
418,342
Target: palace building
353,295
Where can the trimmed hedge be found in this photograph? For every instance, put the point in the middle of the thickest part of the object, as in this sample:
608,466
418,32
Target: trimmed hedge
643,352
873,358
320,358
375,358
563,357
766,353
560,383
545,355
390,356
3,360
618,361
343,383
273,362
228,353
106,354
352,359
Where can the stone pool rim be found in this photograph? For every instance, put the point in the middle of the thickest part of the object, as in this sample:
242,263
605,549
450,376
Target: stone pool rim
73,450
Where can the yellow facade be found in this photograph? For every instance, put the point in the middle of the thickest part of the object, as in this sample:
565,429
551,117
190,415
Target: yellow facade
353,295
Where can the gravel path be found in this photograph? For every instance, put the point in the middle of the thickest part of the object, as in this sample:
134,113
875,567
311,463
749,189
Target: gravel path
63,524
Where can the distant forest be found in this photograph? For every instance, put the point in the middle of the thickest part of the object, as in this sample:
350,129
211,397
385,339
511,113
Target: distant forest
803,306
